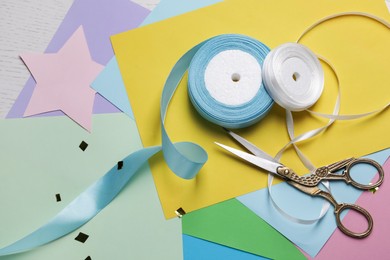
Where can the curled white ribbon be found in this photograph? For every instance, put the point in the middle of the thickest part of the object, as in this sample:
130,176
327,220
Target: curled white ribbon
280,85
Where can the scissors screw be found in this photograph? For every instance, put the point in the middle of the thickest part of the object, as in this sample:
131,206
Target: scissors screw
283,170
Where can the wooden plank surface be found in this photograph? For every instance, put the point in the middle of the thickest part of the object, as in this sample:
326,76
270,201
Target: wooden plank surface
28,26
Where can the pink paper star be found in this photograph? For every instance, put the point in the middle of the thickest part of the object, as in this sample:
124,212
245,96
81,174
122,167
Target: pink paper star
63,80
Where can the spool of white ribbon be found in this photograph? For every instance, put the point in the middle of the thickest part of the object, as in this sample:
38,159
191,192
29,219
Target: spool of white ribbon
293,76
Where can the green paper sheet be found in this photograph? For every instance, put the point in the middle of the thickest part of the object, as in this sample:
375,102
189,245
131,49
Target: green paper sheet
40,157
232,224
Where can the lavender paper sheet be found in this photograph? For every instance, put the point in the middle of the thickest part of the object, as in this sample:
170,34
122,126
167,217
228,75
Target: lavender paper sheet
100,19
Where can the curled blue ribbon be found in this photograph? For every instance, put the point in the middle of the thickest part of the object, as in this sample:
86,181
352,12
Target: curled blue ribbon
87,205
185,159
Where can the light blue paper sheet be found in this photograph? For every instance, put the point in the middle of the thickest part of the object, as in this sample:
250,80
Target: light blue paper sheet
169,8
195,249
109,83
310,238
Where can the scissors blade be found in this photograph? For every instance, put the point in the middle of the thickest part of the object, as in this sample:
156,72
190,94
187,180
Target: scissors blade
259,162
249,146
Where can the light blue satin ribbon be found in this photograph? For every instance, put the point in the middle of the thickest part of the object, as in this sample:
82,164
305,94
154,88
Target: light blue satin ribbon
86,205
184,159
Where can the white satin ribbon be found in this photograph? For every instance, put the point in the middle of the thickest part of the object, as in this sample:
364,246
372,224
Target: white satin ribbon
280,82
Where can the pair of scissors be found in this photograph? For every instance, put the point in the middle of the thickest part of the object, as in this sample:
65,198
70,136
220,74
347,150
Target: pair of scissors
308,184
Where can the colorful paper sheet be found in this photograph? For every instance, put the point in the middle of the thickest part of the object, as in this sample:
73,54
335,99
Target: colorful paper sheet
232,224
109,83
69,92
376,245
169,8
224,177
195,249
100,19
40,157
311,238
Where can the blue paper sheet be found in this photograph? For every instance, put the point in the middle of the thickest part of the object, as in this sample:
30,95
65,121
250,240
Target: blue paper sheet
169,8
195,249
310,238
109,83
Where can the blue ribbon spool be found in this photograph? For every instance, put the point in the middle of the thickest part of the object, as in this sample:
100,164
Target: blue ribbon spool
228,115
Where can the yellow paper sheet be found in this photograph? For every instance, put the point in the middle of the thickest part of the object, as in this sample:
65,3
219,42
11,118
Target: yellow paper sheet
358,47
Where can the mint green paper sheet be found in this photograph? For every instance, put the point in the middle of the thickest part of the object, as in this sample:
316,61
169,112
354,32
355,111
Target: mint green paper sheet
40,157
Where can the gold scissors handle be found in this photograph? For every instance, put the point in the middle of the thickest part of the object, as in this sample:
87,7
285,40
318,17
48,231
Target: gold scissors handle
348,178
329,172
338,208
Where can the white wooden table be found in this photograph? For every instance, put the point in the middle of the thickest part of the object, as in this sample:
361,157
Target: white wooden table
28,26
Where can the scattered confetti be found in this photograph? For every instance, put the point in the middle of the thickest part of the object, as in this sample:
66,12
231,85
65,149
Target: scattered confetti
83,145
120,165
373,190
81,237
180,212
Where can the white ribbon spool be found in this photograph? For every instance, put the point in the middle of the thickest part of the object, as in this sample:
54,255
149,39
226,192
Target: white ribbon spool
293,76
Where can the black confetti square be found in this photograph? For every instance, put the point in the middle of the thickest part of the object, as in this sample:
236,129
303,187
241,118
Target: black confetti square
81,237
58,197
120,165
180,212
83,145
88,258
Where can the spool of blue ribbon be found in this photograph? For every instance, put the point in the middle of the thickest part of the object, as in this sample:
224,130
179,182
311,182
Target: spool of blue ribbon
225,81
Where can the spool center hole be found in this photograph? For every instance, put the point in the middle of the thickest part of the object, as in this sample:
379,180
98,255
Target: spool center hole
295,76
236,77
